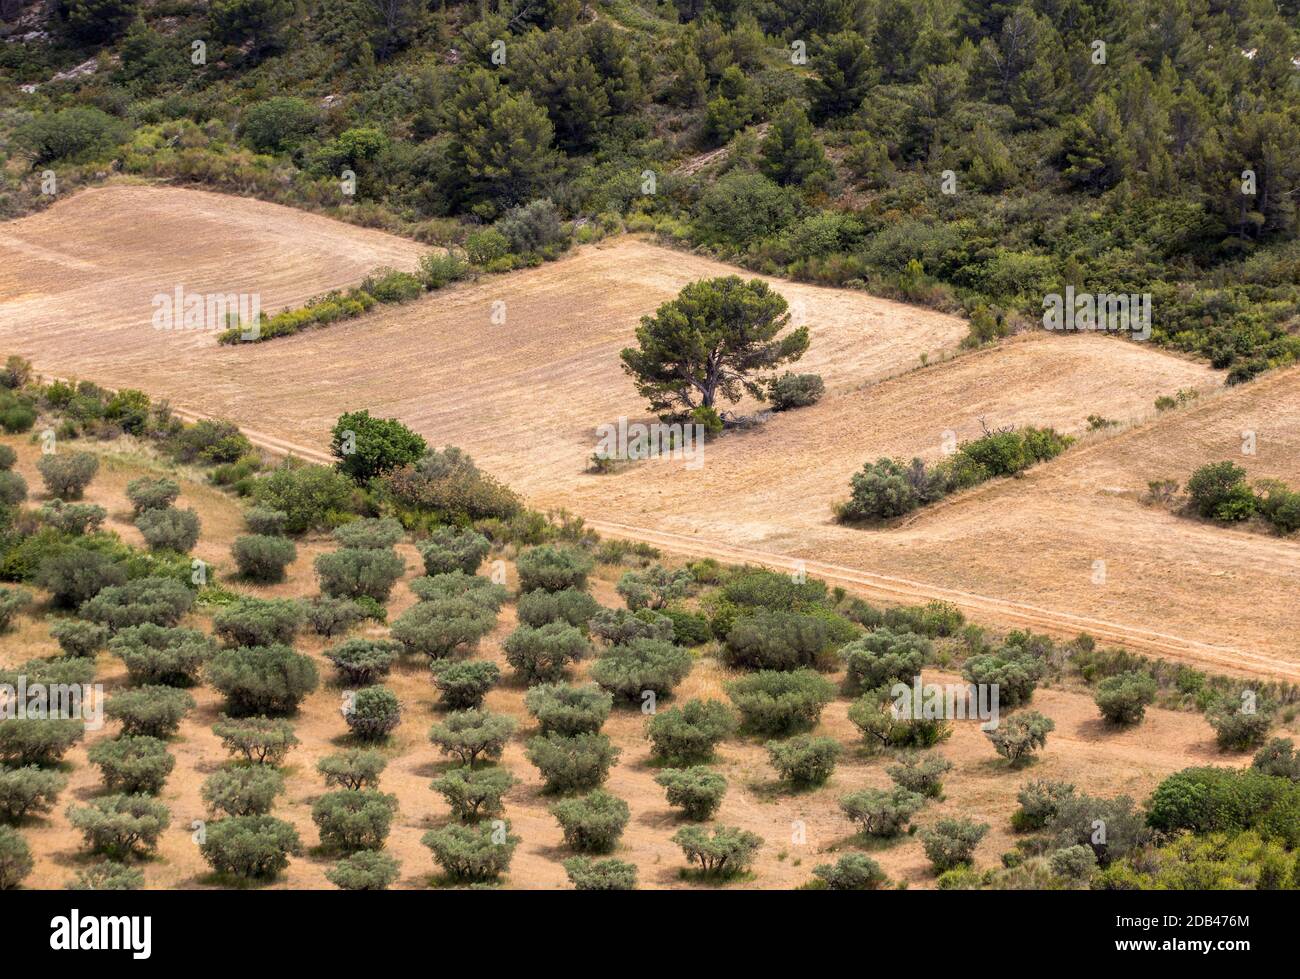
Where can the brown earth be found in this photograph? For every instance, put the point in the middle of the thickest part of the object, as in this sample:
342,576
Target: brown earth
1098,759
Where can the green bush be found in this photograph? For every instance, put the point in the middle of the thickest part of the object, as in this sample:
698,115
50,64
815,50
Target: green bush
541,655
743,207
457,584
1218,491
1078,819
74,575
144,601
951,842
440,628
572,764
592,823
152,494
372,713
160,655
310,497
8,458
1123,698
851,872
13,490
77,637
689,628
882,658
28,791
351,820
132,764
539,608
774,640
879,491
464,683
1017,737
921,775
250,847
566,710
67,475
259,740
244,791
641,666
654,587
1236,728
365,870
439,269
619,627
75,134
15,859
553,568
474,794
389,285
1015,673
76,519
258,622
266,521
473,734
449,485
792,390
472,854
262,679
210,442
38,740
331,616
881,812
723,852
169,529
1278,758
156,711
691,732
356,769
12,601
774,702
486,245
107,875
1209,799
369,447
121,826
804,761
261,558
697,791
1039,802
450,549
360,662
279,123
353,572
600,875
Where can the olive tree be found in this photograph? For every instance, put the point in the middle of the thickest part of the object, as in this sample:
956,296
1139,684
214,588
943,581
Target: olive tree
156,711
474,793
572,764
567,710
697,791
473,734
262,680
254,847
725,851
351,820
245,791
691,732
592,823
132,763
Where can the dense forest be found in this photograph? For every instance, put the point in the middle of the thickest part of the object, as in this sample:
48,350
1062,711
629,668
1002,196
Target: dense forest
970,155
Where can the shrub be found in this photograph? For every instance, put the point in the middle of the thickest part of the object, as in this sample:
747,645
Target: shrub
565,710
13,490
1280,506
723,852
600,875
541,655
439,269
152,494
697,791
169,529
365,870
258,622
38,740
804,761
372,713
389,285
107,875
1123,698
851,872
77,574
77,637
474,854
1015,673
158,655
28,791
67,475
533,227
442,627
474,794
773,640
355,769
279,123
882,658
156,711
776,703
361,662
1017,737
309,496
12,601
1238,729
881,812
539,608
15,859
641,666
261,558
210,441
330,616
144,601
370,534
450,549
244,791
351,820
486,245
77,519
265,521
250,847
262,680
464,684
553,568
689,628
654,587
792,390
1039,802
880,491
1278,758
920,775
457,584
592,823
121,825
357,573
132,763
572,764
471,734
1217,490
690,733
8,457
951,842
619,627
1078,819
448,484
260,740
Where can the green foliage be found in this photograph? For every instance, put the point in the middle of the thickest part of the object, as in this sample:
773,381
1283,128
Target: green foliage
566,710
76,574
881,812
259,740
790,154
262,679
572,764
1039,802
1240,723
1015,672
353,572
66,475
642,665
471,735
464,683
265,521
442,627
592,823
883,657
156,711
365,870
1218,490
450,549
243,791
697,791
73,135
951,842
144,601
351,820
724,852
618,626
309,496
553,568
691,732
12,601
572,607
777,703
15,859
600,875
331,616
76,519
121,826
361,662
355,769
372,713
28,791
920,774
250,847
152,494
804,761
1017,737
1078,820
107,875
790,391
279,123
541,655
160,655
132,763
1278,758
446,484
742,207
261,558
474,853
169,529
457,584
654,587
368,447
474,793
1124,698
258,622
775,640
879,491
38,741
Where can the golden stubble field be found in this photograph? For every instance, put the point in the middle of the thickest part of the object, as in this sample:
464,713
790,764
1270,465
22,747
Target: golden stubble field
524,397
1098,759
